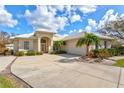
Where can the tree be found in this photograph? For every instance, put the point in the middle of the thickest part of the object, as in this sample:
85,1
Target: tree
88,39
58,45
4,37
114,28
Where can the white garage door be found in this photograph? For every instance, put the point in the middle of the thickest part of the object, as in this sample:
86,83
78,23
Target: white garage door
72,49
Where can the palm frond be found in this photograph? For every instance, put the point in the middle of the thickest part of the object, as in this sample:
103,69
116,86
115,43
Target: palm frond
80,42
89,39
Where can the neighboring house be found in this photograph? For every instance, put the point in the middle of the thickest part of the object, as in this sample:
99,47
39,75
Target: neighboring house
42,40
10,46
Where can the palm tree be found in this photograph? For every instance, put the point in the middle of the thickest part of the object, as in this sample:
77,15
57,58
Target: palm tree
88,39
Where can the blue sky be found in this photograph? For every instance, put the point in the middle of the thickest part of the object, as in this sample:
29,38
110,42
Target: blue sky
63,19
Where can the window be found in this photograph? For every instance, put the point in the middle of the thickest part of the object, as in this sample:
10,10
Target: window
105,44
26,45
43,41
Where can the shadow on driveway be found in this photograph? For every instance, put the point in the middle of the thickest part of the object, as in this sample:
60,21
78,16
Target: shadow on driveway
65,60
68,55
68,58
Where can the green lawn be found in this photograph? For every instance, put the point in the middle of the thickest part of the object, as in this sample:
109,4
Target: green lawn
6,82
120,63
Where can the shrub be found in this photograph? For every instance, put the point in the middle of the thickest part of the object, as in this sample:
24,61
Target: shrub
101,53
39,53
113,51
31,53
61,52
58,52
121,50
8,52
5,51
104,53
91,54
19,53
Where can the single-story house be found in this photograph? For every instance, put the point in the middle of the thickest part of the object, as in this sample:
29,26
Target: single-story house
9,46
42,40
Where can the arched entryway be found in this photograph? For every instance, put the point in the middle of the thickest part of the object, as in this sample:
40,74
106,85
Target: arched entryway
45,43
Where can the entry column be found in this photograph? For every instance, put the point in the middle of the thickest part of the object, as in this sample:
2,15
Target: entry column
51,45
39,44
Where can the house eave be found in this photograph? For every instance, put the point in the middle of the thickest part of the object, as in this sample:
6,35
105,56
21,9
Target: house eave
80,37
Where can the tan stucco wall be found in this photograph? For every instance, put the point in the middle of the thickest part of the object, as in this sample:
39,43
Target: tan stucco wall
35,43
72,49
40,35
19,44
43,34
102,44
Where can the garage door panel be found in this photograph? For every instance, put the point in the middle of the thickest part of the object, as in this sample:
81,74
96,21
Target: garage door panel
72,49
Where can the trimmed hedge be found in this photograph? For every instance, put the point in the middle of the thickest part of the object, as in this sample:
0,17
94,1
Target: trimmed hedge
39,53
19,53
58,52
30,53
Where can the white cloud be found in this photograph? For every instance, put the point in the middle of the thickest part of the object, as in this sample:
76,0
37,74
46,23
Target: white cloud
75,18
6,18
46,16
72,31
109,16
88,28
91,25
59,7
92,22
80,30
65,35
75,31
122,15
87,8
60,22
43,18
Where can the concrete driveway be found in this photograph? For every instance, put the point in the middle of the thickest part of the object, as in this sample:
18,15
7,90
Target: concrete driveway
62,71
4,61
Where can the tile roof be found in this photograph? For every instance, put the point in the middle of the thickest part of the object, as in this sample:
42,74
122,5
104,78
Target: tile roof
46,30
23,36
81,34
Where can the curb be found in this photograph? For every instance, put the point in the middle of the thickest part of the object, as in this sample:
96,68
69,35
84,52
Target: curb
8,70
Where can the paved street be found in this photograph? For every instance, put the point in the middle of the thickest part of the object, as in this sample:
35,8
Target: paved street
62,71
4,61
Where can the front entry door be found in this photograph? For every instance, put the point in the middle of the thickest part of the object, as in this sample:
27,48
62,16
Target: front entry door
44,45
